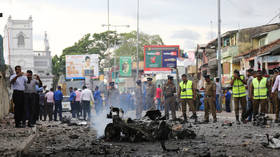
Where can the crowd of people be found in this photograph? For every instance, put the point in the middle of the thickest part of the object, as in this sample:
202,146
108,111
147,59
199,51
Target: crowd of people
253,95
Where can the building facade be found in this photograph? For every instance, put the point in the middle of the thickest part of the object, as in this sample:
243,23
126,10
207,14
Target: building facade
18,50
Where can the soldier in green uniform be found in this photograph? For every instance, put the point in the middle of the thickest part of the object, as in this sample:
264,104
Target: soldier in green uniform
150,94
169,91
187,95
113,95
139,99
209,99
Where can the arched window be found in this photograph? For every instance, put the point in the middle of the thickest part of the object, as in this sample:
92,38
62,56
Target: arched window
20,38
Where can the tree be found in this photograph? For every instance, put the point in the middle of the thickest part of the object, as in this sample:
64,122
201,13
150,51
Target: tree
129,43
104,44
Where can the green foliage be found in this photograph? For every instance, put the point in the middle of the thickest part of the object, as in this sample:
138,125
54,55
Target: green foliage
98,43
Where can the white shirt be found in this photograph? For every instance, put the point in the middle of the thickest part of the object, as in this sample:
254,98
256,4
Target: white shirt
19,83
86,95
276,84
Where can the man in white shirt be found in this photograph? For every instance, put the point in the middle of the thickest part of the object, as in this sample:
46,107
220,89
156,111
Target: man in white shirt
86,97
18,81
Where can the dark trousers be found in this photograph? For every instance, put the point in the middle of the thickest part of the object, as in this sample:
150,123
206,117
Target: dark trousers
48,111
29,99
74,109
42,111
228,105
36,107
58,110
18,99
86,109
79,108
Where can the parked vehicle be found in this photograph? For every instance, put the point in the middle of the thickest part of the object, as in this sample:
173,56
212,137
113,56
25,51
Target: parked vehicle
66,107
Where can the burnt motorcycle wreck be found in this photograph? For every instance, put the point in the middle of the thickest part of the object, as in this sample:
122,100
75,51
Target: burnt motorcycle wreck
150,128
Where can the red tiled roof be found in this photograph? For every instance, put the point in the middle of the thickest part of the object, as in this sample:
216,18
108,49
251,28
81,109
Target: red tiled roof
262,49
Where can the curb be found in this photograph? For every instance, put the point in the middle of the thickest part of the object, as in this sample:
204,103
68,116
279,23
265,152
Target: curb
27,143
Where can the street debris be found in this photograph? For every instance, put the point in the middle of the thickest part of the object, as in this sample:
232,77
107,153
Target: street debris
150,128
272,142
261,120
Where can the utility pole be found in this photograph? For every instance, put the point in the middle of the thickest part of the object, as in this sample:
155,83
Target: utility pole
137,45
115,44
108,12
219,46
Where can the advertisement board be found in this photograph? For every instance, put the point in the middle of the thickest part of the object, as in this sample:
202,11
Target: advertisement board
160,58
81,66
125,66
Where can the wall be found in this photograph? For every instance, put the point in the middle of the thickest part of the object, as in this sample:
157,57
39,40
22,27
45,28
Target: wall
4,97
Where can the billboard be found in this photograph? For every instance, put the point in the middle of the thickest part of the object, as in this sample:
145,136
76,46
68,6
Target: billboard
125,66
160,58
81,66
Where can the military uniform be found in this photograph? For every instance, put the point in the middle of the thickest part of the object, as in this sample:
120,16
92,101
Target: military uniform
150,94
113,97
259,91
169,99
139,101
274,105
187,97
209,100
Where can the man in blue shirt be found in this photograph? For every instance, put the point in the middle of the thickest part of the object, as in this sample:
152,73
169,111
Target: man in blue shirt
58,96
97,100
72,99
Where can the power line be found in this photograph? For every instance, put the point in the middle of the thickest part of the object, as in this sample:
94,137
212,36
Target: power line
278,15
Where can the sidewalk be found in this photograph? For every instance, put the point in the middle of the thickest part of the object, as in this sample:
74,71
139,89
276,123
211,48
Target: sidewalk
14,140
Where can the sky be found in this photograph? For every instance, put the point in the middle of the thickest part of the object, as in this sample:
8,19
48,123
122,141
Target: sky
179,22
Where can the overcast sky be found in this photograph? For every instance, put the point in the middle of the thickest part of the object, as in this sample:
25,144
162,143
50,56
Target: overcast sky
178,22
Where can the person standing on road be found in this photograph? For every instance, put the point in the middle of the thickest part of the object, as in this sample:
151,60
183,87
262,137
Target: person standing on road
97,100
113,95
158,97
139,99
41,103
218,94
274,100
228,100
49,98
239,94
150,94
72,99
169,90
276,86
249,111
30,98
77,102
209,99
258,93
58,97
86,97
187,95
17,81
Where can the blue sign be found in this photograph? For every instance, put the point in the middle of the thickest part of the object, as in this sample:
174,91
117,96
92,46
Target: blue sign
169,58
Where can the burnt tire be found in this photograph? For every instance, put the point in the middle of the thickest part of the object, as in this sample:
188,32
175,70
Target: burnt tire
112,132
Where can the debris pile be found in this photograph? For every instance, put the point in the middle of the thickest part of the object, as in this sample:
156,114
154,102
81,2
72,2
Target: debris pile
261,120
150,128
272,141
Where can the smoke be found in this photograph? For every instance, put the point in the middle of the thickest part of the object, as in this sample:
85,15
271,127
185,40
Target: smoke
100,121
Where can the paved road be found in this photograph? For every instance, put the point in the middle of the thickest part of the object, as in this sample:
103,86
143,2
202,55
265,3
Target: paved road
55,139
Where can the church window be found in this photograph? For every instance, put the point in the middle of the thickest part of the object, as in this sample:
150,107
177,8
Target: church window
20,40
